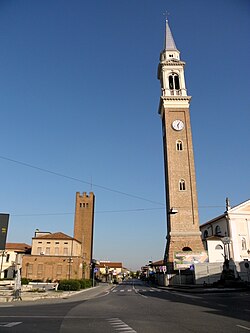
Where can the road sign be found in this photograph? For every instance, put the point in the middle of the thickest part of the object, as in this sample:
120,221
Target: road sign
4,221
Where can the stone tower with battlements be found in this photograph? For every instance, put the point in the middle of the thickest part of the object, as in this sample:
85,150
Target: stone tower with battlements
84,227
183,232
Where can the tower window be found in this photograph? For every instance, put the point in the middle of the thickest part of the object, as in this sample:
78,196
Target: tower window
174,82
182,185
179,145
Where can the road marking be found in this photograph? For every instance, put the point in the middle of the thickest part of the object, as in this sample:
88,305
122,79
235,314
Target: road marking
5,324
137,292
119,325
122,290
246,328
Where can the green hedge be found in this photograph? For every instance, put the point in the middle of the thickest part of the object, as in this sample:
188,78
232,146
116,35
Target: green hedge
69,285
75,284
85,283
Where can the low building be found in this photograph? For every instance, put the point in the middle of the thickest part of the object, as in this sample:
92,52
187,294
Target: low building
110,271
11,258
54,256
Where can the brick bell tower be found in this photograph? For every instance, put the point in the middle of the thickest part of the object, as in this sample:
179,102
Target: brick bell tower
84,227
183,232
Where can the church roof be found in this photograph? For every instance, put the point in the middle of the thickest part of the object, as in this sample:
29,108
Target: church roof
169,40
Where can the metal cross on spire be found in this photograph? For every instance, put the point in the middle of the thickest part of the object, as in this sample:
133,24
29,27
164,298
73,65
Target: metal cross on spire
166,14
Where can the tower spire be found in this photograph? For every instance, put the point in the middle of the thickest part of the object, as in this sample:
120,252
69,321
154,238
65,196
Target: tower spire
169,43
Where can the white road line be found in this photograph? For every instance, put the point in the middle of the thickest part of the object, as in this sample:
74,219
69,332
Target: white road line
244,327
118,325
10,324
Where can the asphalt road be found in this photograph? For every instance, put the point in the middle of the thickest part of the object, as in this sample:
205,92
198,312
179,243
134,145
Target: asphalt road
130,307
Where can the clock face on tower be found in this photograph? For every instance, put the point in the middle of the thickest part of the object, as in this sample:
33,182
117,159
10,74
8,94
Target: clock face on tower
178,125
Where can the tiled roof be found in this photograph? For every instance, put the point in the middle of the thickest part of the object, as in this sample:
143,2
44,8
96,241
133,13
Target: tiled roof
20,247
110,264
56,235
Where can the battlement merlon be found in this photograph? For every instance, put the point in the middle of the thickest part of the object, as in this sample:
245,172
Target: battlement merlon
84,195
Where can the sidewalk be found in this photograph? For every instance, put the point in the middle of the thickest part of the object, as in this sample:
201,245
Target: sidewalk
199,289
51,294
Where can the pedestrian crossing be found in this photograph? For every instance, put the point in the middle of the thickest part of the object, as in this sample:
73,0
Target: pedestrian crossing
135,290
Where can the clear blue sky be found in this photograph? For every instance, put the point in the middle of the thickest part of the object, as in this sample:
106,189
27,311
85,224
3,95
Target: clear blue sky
79,97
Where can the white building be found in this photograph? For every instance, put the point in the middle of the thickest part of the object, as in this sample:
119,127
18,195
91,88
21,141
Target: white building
11,258
228,234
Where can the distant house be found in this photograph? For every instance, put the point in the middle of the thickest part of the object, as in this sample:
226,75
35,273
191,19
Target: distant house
228,234
109,271
54,256
11,258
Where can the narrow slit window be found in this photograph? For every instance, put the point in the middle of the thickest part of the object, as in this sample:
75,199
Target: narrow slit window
182,185
179,145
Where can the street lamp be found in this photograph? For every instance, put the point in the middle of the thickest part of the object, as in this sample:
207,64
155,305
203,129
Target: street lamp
3,254
70,260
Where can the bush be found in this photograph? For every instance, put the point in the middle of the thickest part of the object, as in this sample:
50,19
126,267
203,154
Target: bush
69,285
25,280
85,283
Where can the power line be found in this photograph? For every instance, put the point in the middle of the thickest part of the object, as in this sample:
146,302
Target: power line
79,180
119,211
96,212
